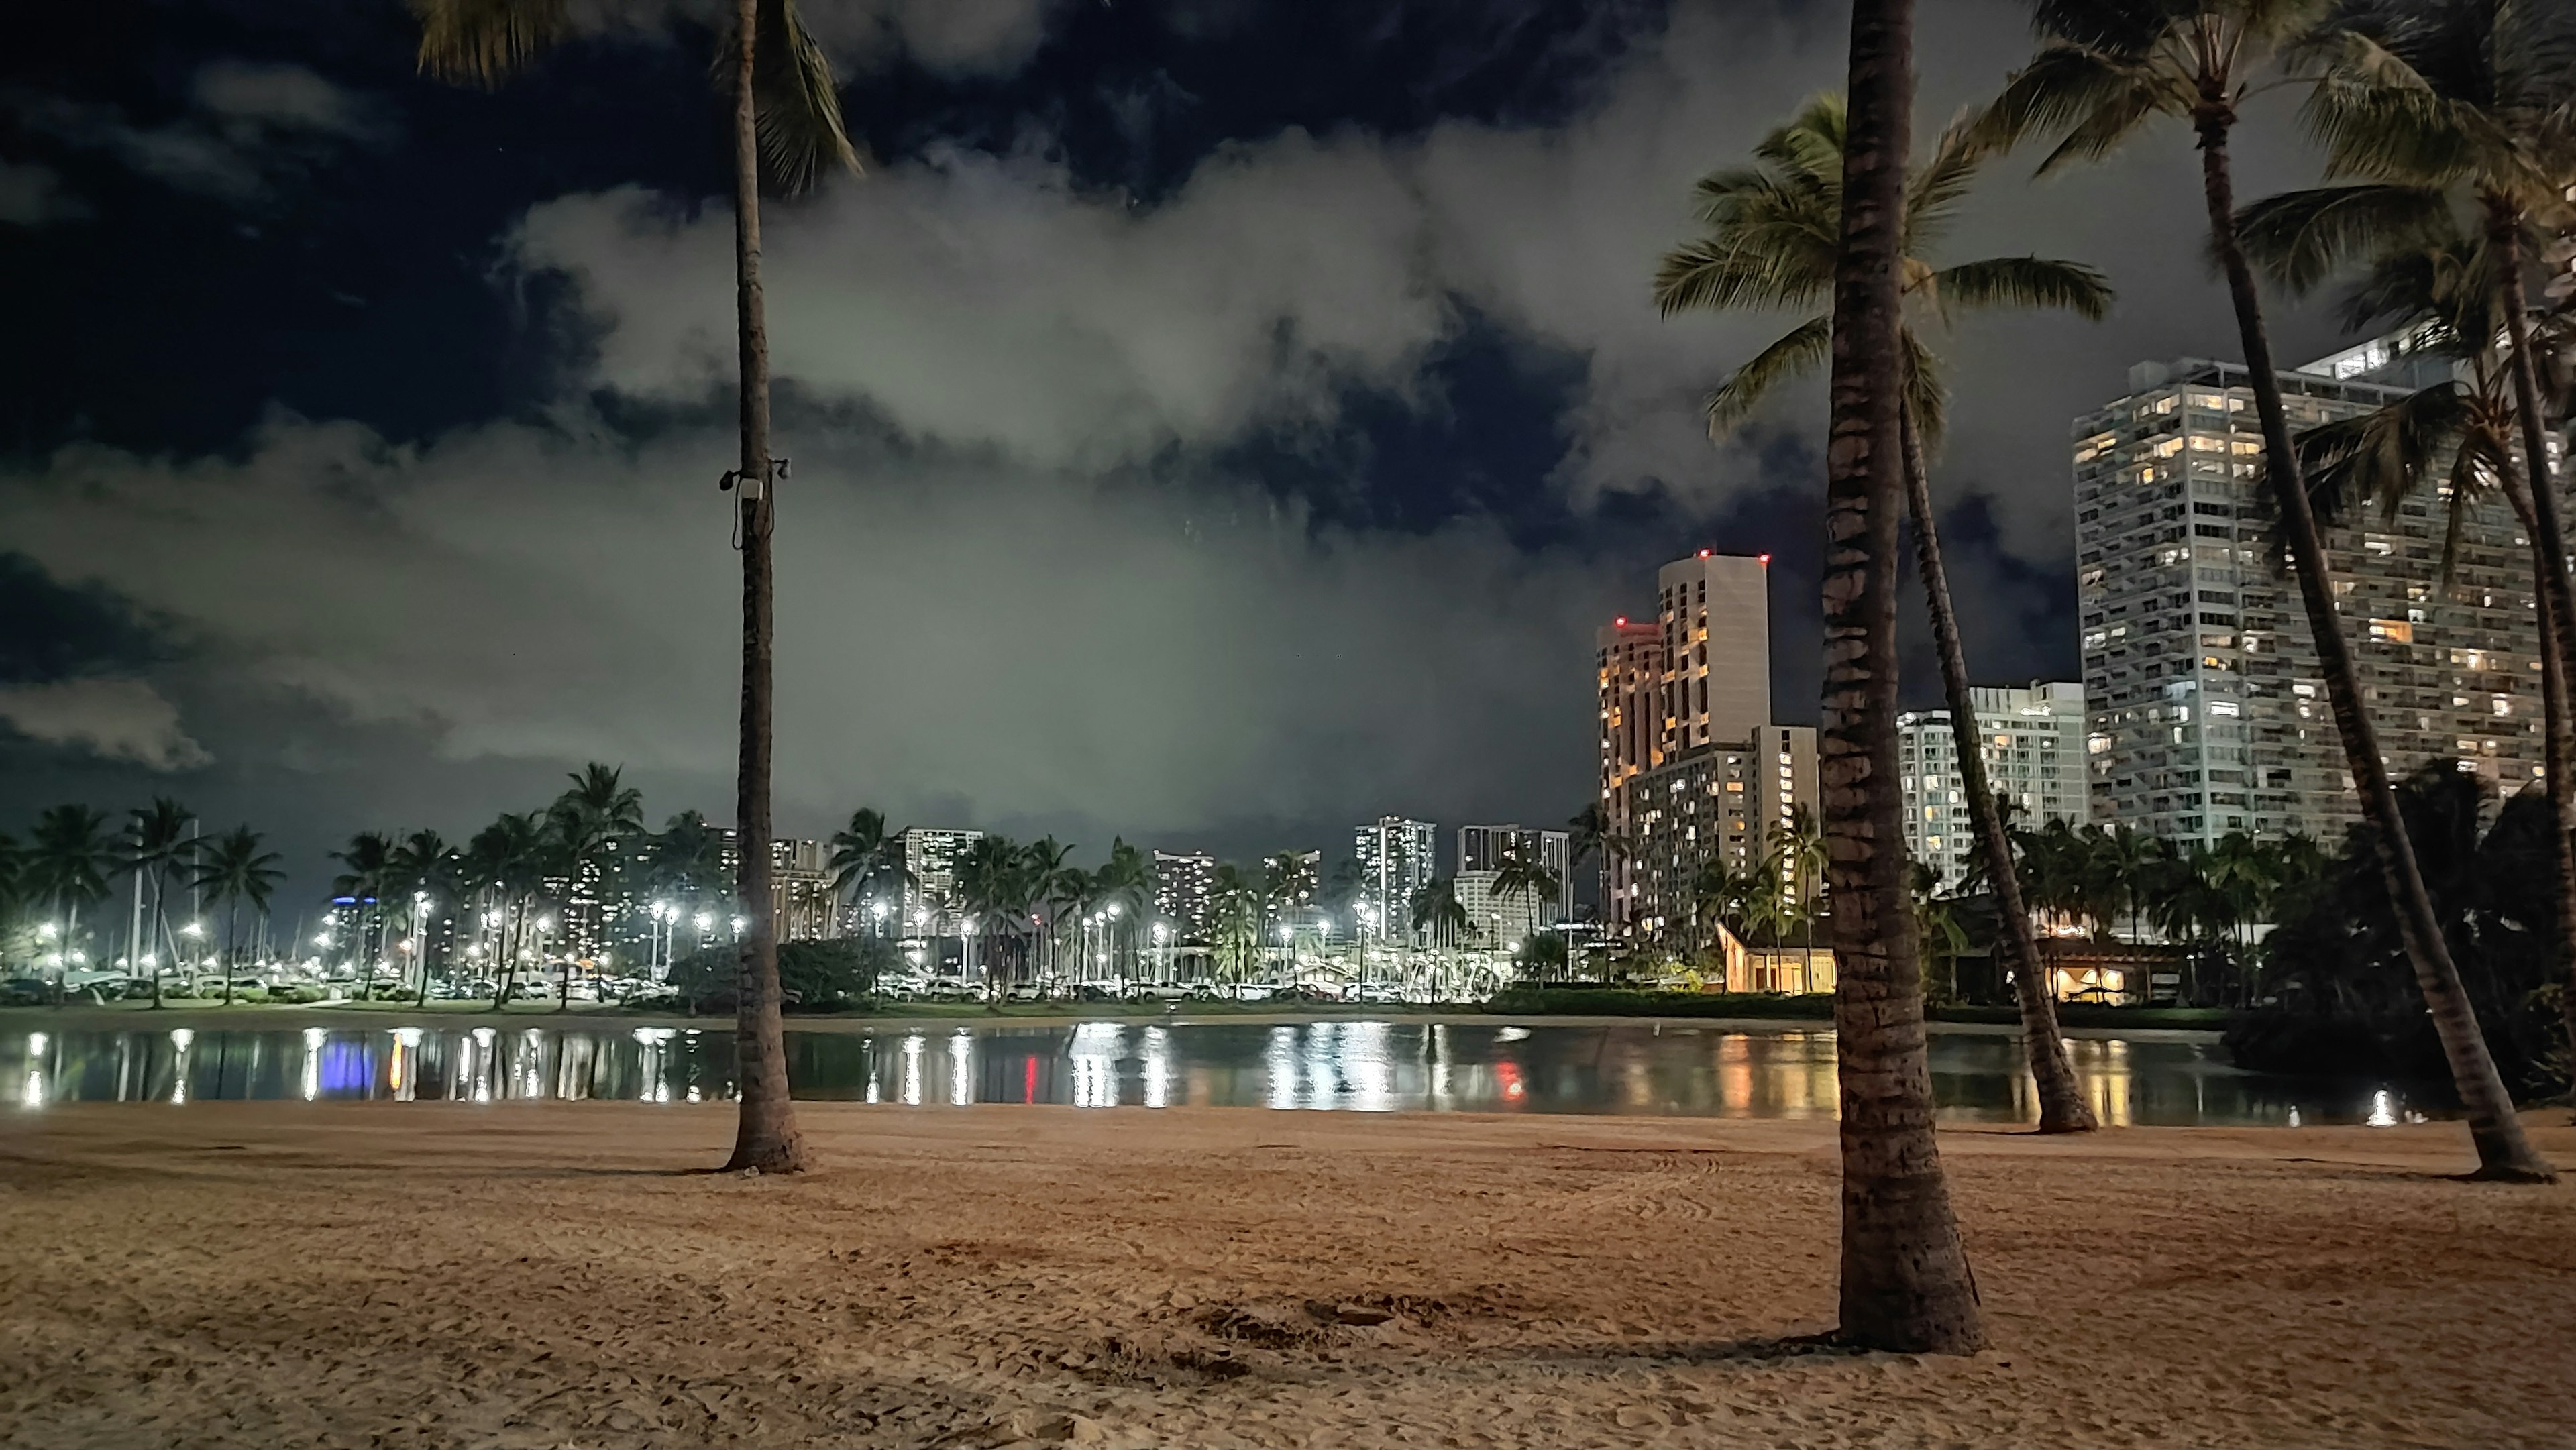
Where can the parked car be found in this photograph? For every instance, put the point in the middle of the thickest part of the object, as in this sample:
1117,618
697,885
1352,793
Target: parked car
947,989
1025,992
1160,991
26,992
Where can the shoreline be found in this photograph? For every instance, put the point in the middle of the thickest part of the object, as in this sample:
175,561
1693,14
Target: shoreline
590,1017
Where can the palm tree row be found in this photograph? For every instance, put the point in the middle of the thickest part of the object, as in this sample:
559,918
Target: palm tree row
71,859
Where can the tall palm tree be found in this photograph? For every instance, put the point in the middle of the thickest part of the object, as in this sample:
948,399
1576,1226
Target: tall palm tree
157,843
232,869
1124,882
2446,107
2104,69
422,873
1770,244
1521,876
786,129
991,893
1904,1282
1437,913
590,824
866,856
17,891
2456,437
686,857
1234,917
369,861
71,857
506,864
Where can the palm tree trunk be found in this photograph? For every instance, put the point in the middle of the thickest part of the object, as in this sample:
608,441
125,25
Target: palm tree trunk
2062,1108
765,1135
232,932
160,888
1905,1279
2549,567
2503,1151
2558,744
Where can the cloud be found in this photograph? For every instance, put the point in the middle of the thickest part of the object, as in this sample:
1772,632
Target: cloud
31,196
956,637
957,38
250,127
117,719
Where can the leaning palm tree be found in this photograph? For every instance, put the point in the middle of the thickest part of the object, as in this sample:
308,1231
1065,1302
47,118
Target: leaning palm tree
786,129
233,869
2445,108
157,843
2456,438
1904,1283
2104,69
1770,244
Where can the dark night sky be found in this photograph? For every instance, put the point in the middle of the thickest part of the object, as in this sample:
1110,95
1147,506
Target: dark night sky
1214,422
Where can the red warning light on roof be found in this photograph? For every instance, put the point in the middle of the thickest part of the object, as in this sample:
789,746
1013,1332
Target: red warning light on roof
1621,621
1703,553
1762,558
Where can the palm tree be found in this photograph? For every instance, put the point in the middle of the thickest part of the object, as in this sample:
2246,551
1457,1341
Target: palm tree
1770,244
505,863
16,891
786,129
369,859
865,855
589,824
1936,921
2458,435
991,891
233,869
2105,68
157,843
1124,888
2448,106
1437,912
1234,917
1521,876
423,869
70,858
1905,1283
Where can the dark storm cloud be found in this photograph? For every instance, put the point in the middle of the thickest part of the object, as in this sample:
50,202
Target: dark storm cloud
245,127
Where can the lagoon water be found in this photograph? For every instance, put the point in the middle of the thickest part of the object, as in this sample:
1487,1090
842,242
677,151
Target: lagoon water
1365,1066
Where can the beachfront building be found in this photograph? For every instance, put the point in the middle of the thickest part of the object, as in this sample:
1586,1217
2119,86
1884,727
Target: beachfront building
2032,742
1722,805
2206,709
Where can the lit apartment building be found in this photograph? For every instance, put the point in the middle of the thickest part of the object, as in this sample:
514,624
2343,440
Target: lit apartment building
1483,848
1496,920
1398,857
1685,709
2033,744
2206,711
1183,885
930,890
1722,803
802,904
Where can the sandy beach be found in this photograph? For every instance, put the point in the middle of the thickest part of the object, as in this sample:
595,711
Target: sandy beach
544,1275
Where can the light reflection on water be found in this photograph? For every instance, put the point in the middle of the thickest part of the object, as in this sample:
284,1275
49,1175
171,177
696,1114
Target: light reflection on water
1360,1066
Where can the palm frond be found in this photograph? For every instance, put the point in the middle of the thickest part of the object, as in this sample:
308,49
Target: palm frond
2026,282
1938,185
1802,349
2381,457
1718,273
797,106
2063,89
485,42
2300,238
2116,120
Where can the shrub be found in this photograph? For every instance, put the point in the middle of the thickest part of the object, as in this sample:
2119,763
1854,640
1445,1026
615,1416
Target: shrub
816,975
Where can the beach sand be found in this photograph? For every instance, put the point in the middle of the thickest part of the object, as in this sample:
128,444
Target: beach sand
541,1275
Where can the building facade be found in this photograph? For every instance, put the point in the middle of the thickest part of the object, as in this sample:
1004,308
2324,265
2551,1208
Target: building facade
930,858
1183,885
1398,856
1724,804
802,903
1495,920
2206,707
2032,742
1484,848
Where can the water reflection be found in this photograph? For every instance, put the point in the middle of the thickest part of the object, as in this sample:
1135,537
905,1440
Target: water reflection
1360,1066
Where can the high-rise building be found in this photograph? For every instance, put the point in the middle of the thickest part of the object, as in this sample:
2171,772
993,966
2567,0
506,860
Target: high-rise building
1397,857
802,905
1483,848
1685,711
1723,804
2206,707
930,857
1495,920
2032,741
1183,885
